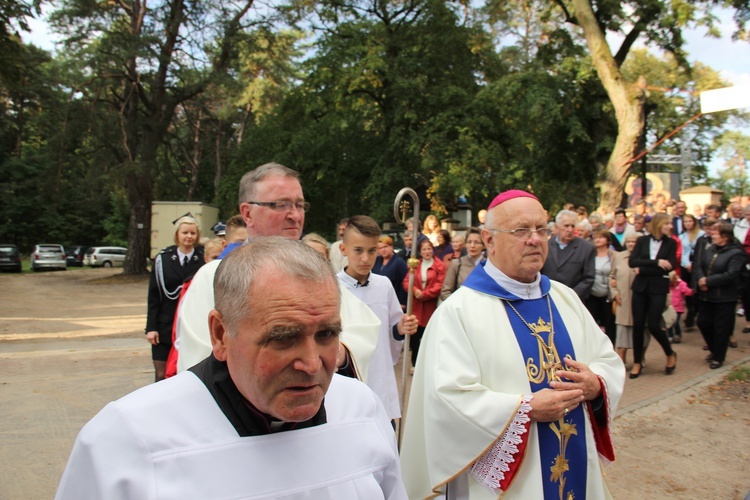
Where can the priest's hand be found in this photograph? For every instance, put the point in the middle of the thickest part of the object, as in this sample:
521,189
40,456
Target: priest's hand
581,377
408,325
152,337
549,405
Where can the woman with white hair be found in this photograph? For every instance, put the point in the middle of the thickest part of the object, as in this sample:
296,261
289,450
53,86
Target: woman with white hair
172,267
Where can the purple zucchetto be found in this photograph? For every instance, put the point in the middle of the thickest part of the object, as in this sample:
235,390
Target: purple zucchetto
509,195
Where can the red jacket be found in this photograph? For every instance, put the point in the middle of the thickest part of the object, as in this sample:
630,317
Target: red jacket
424,307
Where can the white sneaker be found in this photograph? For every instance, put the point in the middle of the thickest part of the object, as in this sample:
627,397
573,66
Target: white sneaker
740,312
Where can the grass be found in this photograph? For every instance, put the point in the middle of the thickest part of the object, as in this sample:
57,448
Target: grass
739,374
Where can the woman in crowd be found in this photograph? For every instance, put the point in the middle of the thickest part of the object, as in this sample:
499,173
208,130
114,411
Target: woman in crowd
428,281
388,264
598,302
458,242
654,256
318,243
689,238
460,267
172,267
583,230
431,228
717,275
620,282
444,249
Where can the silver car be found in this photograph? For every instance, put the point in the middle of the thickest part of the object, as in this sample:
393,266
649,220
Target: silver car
105,256
48,256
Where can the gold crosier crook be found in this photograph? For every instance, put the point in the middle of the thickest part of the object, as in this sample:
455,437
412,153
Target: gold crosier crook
400,209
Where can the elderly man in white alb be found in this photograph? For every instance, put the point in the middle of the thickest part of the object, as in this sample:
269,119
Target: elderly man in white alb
516,386
264,416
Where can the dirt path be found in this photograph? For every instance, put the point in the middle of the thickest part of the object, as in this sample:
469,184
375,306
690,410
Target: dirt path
72,341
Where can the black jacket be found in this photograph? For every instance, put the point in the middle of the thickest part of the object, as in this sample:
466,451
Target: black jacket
721,266
651,278
162,299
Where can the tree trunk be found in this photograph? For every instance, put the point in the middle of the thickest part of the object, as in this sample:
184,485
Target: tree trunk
197,154
627,98
139,227
217,177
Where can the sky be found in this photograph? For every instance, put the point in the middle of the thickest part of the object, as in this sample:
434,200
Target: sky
731,59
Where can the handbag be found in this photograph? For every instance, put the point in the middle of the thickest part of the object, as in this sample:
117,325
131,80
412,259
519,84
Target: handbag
668,317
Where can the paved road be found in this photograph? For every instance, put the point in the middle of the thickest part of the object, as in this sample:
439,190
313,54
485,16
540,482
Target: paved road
72,342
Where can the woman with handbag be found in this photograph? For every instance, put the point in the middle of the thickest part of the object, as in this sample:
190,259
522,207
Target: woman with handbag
428,281
653,256
717,276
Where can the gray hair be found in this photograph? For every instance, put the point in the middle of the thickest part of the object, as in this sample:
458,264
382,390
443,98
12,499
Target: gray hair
585,225
565,213
273,254
250,179
630,234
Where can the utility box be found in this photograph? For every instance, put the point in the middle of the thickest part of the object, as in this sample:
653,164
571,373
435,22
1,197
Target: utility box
165,213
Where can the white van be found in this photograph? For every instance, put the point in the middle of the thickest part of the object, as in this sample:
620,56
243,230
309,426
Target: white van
105,256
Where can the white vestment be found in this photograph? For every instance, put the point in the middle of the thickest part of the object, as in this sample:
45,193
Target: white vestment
467,392
193,340
380,296
170,440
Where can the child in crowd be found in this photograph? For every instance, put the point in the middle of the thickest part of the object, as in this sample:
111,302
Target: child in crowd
360,246
678,290
212,249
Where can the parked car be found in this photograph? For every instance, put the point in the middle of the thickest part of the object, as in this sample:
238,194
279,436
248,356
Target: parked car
105,256
10,258
74,255
48,256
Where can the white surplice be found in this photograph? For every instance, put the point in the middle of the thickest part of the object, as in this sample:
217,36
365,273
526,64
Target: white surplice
381,298
468,388
170,440
361,326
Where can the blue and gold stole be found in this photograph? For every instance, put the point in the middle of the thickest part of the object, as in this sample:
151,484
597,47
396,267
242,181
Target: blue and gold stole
544,343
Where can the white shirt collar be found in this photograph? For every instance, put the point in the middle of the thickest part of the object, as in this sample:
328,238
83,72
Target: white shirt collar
350,281
526,291
183,255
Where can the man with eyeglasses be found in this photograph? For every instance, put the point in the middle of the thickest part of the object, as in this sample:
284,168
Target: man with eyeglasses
271,203
515,386
571,259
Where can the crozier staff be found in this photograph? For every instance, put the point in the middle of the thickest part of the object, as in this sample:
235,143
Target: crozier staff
515,385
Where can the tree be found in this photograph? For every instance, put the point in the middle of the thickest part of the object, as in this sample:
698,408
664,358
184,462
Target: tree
734,147
146,62
674,95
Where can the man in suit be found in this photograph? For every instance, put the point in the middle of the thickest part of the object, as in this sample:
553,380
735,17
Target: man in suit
677,212
571,259
734,213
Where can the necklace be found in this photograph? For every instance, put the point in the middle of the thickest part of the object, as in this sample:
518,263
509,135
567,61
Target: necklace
549,359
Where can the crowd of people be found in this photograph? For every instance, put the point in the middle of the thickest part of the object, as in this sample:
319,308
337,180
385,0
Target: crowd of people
282,352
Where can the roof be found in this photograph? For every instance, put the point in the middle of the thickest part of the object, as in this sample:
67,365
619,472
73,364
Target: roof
701,190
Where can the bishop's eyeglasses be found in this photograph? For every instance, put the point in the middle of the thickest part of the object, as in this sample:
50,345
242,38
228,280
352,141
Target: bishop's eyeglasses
524,233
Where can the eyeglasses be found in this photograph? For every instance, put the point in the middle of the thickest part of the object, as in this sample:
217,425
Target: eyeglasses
283,206
524,233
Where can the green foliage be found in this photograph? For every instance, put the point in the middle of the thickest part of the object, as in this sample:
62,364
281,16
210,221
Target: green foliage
674,93
116,222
